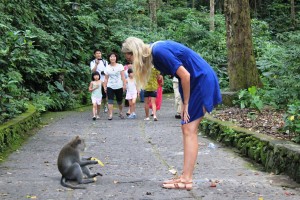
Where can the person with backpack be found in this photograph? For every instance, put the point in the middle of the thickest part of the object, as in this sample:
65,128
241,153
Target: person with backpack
99,64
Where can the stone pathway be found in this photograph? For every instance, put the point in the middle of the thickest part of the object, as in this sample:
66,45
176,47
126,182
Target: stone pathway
137,155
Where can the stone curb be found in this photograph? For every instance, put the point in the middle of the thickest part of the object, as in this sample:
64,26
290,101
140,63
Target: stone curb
277,156
12,131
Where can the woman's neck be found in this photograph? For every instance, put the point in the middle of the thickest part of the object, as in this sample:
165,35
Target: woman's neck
113,64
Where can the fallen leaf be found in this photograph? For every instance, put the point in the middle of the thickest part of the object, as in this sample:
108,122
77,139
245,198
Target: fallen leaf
30,197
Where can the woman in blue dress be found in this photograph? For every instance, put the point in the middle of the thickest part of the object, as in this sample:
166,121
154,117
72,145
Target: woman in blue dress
198,86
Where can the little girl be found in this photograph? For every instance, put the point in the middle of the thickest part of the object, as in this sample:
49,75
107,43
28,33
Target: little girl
95,88
131,94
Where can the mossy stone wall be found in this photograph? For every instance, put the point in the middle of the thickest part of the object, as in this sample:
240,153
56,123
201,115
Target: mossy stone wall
275,155
12,131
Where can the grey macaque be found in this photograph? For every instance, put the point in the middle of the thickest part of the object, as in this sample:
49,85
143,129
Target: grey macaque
73,167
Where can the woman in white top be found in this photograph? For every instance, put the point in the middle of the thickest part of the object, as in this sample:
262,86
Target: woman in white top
114,84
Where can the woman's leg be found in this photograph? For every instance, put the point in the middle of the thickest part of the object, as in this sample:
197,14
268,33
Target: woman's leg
119,97
146,106
190,153
153,103
110,110
190,146
110,95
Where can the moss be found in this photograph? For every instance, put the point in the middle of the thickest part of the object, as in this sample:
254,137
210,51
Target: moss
275,155
14,132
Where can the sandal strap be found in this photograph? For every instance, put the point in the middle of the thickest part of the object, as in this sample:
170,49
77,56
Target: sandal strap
176,185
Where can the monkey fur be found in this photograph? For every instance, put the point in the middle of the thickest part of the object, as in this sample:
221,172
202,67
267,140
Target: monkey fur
73,167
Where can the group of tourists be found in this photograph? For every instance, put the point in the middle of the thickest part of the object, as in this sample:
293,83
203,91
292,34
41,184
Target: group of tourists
110,80
198,90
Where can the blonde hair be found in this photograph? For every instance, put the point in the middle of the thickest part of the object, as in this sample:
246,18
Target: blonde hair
142,63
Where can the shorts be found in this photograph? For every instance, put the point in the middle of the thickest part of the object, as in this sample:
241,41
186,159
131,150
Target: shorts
111,93
96,100
150,94
130,95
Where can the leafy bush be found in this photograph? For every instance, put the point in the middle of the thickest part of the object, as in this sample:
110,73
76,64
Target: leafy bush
12,96
249,99
168,85
292,120
279,60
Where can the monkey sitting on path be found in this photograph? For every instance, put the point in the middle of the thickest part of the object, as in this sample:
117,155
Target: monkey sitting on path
72,166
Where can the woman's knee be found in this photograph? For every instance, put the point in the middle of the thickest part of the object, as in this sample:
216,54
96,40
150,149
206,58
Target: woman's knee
110,101
192,127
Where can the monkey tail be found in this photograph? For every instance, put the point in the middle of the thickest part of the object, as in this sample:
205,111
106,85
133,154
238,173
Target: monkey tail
65,184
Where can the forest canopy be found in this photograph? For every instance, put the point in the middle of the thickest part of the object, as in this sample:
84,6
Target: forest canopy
46,46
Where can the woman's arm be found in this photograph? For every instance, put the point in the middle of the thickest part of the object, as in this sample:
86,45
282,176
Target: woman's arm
123,79
162,79
105,83
184,76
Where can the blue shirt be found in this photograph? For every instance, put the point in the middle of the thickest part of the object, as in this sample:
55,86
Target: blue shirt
205,92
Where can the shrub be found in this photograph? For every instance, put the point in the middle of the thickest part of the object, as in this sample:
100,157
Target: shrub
249,99
292,120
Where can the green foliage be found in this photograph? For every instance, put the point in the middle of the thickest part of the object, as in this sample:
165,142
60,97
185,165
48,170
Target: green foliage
292,120
191,28
168,85
278,61
12,101
48,46
249,99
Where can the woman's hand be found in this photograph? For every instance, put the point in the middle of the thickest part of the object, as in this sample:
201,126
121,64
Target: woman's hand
185,113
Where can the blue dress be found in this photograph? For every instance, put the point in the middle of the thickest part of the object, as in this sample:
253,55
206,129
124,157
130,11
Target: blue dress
168,56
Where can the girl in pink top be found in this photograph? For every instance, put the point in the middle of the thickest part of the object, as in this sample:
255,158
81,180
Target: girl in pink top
131,94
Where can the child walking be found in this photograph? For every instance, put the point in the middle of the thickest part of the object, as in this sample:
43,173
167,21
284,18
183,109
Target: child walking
131,94
95,89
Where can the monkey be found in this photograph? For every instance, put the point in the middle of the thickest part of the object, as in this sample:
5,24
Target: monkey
73,167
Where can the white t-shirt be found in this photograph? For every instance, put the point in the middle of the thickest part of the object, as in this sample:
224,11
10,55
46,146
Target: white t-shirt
114,76
100,67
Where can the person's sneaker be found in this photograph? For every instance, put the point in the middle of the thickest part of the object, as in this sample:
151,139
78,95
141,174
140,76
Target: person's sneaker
97,117
132,116
147,119
94,118
105,109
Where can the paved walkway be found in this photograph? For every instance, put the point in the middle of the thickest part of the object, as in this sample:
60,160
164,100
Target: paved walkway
137,155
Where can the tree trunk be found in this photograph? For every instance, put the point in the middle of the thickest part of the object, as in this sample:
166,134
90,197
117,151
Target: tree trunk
242,68
293,17
152,6
212,16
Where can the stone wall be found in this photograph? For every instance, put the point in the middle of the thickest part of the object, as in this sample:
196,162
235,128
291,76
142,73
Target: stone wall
277,156
12,131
